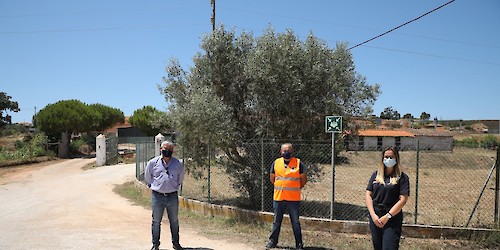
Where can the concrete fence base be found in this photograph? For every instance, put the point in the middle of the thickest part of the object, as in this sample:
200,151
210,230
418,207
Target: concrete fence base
325,225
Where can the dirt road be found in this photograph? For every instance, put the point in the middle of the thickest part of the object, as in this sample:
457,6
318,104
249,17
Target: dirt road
60,206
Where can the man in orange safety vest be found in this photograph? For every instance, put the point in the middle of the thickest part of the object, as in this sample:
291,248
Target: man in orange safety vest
288,174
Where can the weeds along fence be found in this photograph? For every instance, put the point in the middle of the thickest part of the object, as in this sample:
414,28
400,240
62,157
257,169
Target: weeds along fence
447,188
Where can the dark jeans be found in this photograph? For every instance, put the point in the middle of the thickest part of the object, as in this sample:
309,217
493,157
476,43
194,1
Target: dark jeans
386,238
293,210
161,202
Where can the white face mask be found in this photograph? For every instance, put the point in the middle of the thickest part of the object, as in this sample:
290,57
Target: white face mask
389,163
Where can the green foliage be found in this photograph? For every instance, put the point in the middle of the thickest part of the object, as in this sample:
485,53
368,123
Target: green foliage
424,116
30,148
64,116
38,144
5,105
390,114
75,145
408,116
467,142
19,144
13,129
489,240
272,86
75,116
489,142
150,120
492,241
105,117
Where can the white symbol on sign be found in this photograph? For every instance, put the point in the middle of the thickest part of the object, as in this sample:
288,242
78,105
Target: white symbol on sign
333,124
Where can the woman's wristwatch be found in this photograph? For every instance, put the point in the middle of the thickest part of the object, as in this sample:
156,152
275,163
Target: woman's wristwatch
389,215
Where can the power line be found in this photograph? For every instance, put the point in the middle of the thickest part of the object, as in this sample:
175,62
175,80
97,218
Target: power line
351,27
432,55
101,29
371,39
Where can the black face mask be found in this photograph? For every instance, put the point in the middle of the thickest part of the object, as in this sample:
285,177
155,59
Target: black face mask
167,153
287,155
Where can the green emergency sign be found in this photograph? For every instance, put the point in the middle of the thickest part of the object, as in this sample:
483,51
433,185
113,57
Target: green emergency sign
333,124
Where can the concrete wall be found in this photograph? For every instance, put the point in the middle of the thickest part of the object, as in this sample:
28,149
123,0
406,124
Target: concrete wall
407,143
435,143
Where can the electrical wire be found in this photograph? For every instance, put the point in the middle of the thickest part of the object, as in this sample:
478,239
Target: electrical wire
432,55
385,33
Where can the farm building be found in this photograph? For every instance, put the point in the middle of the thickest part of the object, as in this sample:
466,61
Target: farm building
377,139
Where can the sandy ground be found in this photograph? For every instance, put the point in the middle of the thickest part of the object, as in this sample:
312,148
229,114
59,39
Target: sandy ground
60,206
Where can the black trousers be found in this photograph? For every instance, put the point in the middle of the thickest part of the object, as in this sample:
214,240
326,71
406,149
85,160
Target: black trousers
386,238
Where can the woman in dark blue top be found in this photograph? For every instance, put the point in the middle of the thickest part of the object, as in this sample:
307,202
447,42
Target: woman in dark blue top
386,194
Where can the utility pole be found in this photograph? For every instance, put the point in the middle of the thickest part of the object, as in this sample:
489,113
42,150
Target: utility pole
212,2
33,118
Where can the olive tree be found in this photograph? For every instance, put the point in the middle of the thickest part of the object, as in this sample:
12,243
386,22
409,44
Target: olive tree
272,86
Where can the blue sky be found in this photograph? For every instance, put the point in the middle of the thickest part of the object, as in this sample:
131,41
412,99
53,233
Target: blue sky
115,52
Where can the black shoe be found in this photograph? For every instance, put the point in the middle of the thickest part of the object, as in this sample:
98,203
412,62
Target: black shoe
271,244
155,247
177,247
300,246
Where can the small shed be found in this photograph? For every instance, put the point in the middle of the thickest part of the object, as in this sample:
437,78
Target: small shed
430,139
377,139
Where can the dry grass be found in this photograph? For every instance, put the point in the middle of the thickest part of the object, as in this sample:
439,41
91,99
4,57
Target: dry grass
8,142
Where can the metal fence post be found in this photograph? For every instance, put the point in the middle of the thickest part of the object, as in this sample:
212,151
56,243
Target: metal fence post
333,177
137,160
209,200
416,182
262,174
497,187
184,164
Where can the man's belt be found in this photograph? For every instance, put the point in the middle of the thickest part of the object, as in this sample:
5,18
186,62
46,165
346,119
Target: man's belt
165,194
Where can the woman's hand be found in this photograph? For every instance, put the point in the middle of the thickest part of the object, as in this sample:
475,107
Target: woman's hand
382,221
376,221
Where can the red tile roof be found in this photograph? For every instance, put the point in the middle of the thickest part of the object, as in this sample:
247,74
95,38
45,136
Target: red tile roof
389,133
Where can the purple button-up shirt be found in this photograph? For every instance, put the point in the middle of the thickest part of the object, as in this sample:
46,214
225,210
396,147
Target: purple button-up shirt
162,177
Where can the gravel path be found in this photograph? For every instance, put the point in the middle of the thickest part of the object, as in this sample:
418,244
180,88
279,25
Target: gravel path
60,206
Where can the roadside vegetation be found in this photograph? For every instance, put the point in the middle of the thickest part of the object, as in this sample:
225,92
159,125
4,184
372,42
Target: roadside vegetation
18,146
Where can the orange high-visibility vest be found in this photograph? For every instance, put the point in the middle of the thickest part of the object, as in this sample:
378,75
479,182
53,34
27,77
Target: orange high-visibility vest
287,180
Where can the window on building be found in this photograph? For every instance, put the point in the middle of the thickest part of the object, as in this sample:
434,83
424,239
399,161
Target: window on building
398,142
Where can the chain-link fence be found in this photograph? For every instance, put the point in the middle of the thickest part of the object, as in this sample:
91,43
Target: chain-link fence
447,188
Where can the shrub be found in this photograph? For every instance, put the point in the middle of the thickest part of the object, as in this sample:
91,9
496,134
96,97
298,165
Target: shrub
19,144
13,129
489,142
38,144
75,146
467,142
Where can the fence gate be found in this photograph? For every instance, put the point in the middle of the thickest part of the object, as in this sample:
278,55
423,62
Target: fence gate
111,150
144,151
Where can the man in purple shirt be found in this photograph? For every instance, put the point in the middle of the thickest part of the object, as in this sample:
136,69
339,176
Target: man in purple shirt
164,175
